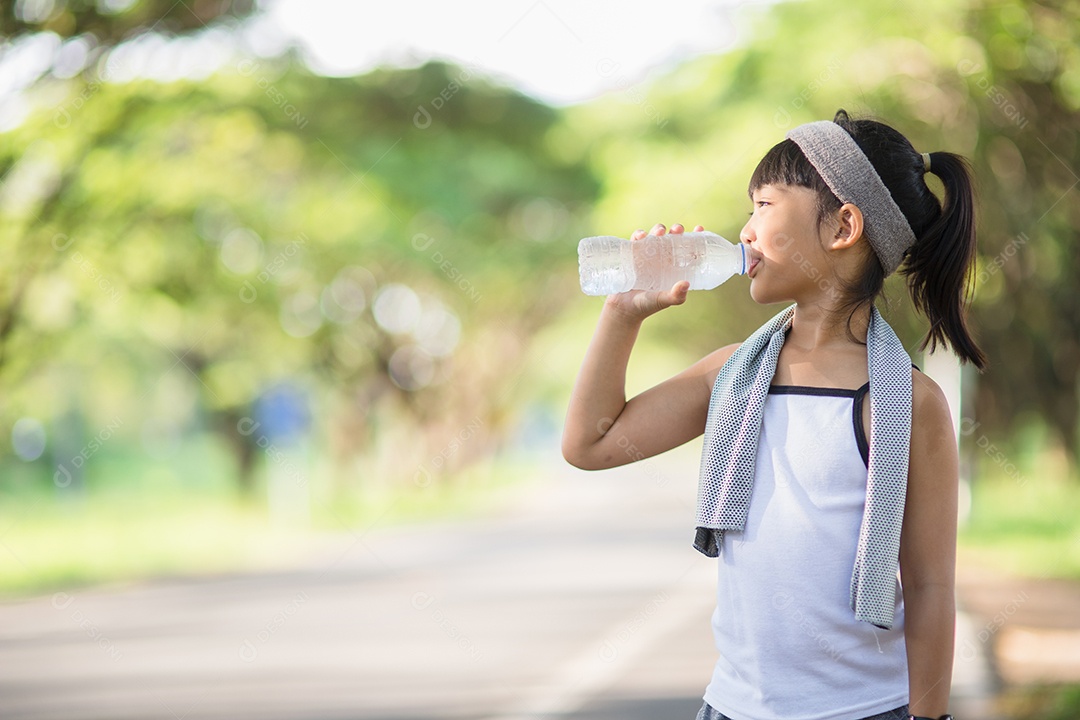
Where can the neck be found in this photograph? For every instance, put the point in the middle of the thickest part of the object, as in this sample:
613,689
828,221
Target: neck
816,326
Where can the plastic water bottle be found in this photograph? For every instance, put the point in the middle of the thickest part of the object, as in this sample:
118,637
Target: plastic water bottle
612,265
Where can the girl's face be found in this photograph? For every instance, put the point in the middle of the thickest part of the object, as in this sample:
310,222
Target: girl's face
787,248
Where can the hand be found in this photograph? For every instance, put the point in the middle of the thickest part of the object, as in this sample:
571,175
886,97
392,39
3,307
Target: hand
639,304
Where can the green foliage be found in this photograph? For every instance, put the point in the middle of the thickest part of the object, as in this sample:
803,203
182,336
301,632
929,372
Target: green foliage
235,233
172,251
71,18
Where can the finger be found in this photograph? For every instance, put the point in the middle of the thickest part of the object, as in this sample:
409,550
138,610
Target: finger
677,228
658,229
677,294
699,228
637,234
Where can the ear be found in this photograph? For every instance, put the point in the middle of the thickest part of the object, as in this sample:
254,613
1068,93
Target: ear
849,224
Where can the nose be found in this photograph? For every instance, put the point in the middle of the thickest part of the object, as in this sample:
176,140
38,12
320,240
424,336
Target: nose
746,235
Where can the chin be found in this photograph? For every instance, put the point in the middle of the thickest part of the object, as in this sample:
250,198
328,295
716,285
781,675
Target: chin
763,295
760,294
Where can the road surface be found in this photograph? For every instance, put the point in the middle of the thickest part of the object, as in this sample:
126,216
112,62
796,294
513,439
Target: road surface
581,598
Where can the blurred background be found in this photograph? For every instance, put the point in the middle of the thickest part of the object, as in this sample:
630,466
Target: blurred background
288,300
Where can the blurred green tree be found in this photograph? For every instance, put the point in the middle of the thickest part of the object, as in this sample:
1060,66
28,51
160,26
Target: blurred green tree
110,23
392,242
1025,89
374,239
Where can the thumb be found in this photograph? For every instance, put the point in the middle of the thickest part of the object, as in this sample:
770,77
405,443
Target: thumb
677,294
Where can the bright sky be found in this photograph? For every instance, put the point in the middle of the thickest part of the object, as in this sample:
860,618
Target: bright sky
559,50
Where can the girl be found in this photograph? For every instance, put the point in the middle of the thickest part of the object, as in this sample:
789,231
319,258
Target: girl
812,497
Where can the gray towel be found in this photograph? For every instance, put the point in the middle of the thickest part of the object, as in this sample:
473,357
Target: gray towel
730,452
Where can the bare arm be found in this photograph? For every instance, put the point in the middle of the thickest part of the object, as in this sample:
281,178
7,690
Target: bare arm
928,550
602,429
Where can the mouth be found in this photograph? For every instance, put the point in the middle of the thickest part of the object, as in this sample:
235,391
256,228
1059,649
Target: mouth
754,262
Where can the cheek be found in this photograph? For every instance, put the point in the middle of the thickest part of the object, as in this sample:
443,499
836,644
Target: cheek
782,244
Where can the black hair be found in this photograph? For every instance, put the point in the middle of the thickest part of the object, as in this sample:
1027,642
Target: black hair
938,265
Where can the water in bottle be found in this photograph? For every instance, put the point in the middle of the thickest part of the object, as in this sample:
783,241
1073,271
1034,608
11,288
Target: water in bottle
613,265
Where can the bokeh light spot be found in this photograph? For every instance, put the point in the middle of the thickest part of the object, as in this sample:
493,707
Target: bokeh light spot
241,251
397,308
28,438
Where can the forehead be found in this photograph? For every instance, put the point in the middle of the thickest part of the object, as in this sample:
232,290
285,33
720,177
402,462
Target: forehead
782,190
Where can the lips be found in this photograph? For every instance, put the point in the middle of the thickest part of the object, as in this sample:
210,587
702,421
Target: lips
754,262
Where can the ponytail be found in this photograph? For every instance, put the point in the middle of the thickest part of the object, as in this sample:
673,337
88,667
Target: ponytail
938,265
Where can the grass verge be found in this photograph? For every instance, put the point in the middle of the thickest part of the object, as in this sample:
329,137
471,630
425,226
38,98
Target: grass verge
126,531
1041,702
1026,526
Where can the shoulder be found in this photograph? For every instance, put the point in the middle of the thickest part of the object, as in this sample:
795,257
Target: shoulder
931,420
715,360
707,368
928,402
723,354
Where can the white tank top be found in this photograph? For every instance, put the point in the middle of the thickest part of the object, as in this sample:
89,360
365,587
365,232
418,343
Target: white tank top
790,646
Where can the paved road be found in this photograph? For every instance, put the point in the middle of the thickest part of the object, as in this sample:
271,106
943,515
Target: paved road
582,599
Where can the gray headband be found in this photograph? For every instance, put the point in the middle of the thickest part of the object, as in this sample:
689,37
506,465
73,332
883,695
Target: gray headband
851,177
